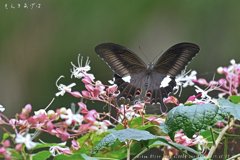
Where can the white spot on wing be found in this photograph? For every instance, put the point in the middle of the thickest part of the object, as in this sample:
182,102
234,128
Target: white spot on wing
127,78
165,82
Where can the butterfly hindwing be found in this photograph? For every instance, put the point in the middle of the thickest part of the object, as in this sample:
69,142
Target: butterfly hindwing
159,86
176,58
129,89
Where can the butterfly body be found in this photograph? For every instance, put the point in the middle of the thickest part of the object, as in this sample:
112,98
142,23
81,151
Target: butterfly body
131,73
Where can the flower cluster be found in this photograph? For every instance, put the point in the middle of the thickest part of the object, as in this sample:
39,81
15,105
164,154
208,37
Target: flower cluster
66,124
229,84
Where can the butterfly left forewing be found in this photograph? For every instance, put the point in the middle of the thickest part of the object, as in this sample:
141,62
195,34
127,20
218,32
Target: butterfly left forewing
129,69
176,58
120,59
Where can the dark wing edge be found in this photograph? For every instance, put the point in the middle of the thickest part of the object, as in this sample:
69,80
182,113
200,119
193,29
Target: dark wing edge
176,58
120,59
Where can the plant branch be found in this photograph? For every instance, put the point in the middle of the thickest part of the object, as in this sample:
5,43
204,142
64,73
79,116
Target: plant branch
222,133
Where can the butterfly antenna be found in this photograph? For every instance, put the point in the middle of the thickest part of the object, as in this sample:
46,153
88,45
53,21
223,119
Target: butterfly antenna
158,55
144,54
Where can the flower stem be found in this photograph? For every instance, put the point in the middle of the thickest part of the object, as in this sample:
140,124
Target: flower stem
213,139
225,148
128,149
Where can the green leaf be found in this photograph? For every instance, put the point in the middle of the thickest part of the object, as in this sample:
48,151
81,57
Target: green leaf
5,136
175,145
192,119
207,134
88,158
122,136
68,157
233,109
134,123
41,155
44,145
235,99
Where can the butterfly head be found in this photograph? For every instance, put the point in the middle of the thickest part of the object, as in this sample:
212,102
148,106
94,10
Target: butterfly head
150,66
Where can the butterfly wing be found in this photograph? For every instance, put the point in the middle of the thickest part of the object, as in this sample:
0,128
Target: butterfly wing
176,58
171,63
120,59
125,64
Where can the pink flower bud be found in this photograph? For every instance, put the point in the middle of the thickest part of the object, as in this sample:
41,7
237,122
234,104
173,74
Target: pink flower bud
33,119
171,99
213,83
64,150
86,94
75,94
83,128
84,112
41,117
89,118
65,136
8,157
23,116
2,151
82,105
225,70
222,82
6,143
18,147
96,92
191,98
86,80
94,113
75,145
27,109
107,123
49,126
138,106
220,124
89,87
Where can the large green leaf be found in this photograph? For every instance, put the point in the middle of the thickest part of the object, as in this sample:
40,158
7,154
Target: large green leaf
175,145
233,109
192,119
41,155
122,136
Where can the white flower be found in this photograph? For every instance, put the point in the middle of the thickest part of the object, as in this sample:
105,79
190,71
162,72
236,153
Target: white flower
63,88
71,117
205,97
201,142
54,149
129,113
2,108
41,111
81,71
187,79
27,141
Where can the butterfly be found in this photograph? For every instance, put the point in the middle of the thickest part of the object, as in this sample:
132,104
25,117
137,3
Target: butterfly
131,73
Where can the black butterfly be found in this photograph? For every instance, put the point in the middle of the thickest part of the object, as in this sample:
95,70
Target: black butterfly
131,73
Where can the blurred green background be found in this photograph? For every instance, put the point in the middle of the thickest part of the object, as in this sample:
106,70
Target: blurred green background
37,45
